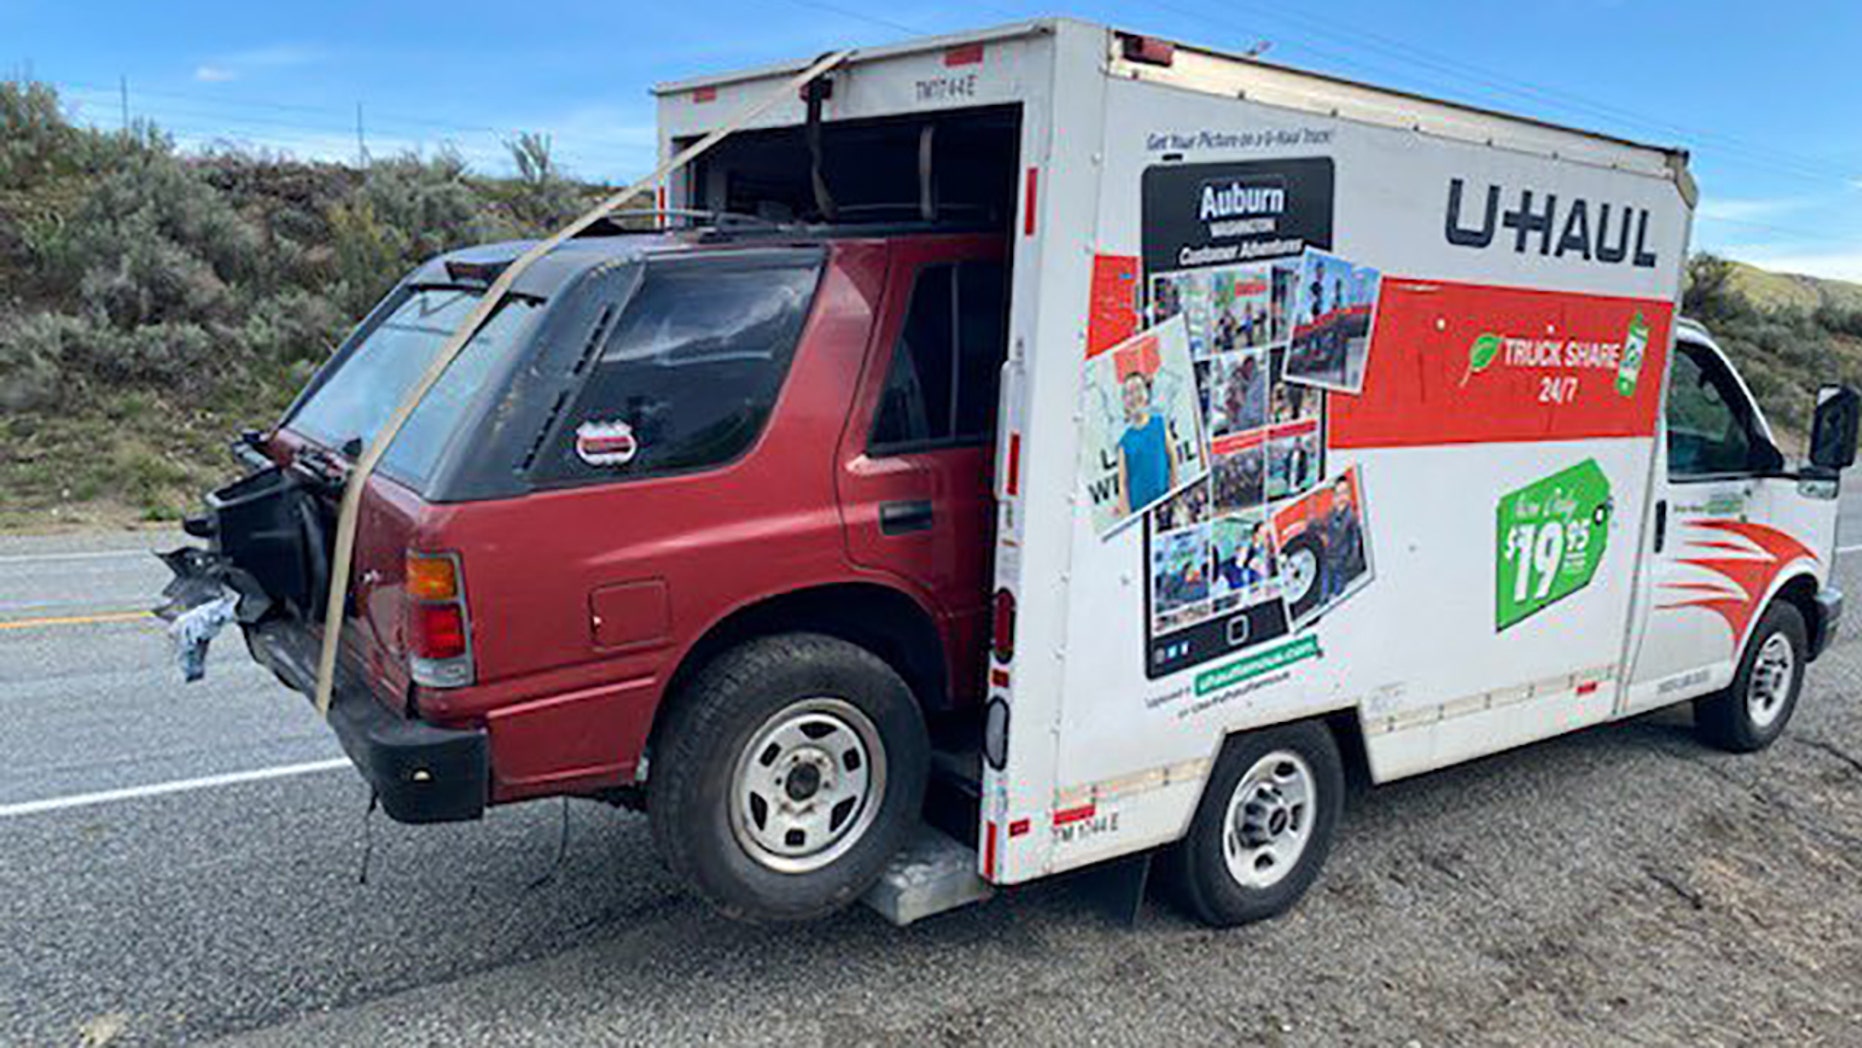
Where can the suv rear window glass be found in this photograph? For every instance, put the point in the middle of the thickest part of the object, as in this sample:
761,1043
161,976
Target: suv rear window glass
369,381
691,370
941,385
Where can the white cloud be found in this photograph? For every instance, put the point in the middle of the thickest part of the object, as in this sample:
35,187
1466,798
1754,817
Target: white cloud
1832,265
1734,209
274,56
277,55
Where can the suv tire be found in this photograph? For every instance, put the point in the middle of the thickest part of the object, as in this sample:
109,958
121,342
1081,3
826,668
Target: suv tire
789,771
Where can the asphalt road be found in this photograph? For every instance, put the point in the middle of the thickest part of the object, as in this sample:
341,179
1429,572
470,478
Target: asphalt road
1623,884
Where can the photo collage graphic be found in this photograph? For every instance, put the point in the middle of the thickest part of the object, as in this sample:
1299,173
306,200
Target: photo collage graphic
1268,540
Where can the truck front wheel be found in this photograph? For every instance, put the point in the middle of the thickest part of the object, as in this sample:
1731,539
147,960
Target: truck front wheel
1752,712
1263,828
789,771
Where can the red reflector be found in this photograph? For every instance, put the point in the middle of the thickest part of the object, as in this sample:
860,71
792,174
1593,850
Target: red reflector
999,678
705,94
1028,204
989,853
968,54
1003,624
439,631
1018,827
1587,687
1149,50
1065,816
1014,483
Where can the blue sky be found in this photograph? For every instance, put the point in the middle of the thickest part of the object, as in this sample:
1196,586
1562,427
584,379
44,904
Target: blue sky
1768,96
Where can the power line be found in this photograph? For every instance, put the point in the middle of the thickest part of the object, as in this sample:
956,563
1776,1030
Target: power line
1418,58
848,12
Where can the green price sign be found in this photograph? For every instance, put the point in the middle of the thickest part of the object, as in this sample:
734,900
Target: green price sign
1550,538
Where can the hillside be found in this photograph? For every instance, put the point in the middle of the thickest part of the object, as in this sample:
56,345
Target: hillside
1772,291
1788,334
153,303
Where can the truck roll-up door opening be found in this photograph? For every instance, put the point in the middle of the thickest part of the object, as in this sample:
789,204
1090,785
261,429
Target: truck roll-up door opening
954,169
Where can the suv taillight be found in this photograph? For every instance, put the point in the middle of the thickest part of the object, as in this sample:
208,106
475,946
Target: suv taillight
1002,627
439,628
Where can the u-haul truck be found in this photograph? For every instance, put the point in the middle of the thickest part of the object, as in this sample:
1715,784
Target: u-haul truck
1334,418
1086,443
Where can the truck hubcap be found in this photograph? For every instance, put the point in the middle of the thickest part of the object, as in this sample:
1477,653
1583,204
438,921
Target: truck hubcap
1770,683
807,787
1269,820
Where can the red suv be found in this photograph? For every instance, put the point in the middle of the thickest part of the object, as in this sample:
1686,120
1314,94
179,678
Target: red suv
716,504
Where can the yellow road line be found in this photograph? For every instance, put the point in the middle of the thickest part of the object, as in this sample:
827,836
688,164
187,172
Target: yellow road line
76,620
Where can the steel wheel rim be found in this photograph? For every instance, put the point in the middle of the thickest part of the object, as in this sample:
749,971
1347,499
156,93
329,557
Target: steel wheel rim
1769,684
1269,820
808,785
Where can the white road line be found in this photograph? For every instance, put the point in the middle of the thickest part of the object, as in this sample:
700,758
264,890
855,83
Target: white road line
207,782
30,558
1857,548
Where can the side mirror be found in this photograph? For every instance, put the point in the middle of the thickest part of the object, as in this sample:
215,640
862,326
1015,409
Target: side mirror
1833,430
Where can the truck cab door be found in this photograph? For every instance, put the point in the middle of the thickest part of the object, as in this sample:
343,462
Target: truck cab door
916,461
1717,540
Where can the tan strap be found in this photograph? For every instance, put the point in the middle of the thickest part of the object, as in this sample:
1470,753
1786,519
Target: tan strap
343,560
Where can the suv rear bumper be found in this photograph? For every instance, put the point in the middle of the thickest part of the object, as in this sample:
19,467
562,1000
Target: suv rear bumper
1829,617
421,773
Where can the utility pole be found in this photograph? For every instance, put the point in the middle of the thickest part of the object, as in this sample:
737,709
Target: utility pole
122,83
362,149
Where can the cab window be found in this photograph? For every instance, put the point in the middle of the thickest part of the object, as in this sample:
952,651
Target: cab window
1710,424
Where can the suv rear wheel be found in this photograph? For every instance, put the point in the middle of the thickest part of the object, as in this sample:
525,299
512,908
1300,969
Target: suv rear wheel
790,770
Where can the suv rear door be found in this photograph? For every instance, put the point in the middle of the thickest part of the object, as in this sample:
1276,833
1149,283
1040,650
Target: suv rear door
916,486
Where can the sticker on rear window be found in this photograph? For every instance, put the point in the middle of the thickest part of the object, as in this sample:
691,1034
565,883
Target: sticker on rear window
606,443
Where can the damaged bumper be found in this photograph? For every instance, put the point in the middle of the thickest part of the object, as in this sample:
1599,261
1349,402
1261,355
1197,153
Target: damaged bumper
421,772
265,569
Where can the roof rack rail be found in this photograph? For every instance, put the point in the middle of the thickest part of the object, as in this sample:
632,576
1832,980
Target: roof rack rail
612,224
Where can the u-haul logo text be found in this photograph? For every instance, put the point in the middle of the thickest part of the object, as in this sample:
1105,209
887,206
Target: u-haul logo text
1544,224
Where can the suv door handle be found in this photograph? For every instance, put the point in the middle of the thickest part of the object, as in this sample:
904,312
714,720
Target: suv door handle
904,517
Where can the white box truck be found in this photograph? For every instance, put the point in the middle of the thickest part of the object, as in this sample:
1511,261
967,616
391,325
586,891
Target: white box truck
1334,420
1106,439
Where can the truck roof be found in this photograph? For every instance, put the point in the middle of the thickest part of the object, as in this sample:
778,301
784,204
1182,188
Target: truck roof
1676,157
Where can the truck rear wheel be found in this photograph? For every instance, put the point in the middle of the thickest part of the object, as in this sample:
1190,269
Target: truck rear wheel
1263,828
1752,712
789,771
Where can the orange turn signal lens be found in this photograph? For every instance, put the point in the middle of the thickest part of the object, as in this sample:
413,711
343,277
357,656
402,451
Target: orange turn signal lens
431,577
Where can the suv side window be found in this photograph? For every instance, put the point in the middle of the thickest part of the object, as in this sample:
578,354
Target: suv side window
940,388
1710,427
691,369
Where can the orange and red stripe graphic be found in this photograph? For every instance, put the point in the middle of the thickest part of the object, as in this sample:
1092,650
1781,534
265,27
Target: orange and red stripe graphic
1744,580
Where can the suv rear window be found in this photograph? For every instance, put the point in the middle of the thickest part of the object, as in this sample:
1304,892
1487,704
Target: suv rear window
691,369
364,386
